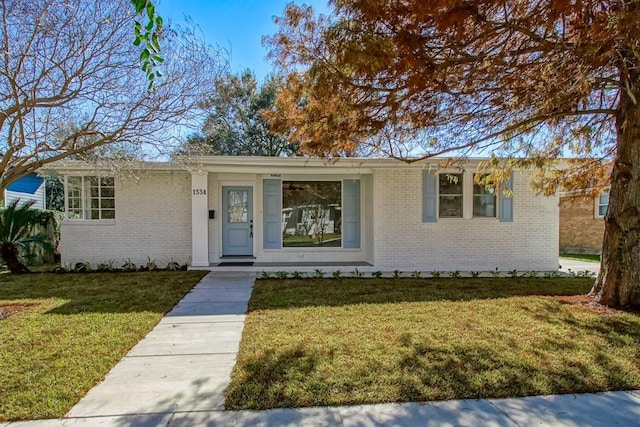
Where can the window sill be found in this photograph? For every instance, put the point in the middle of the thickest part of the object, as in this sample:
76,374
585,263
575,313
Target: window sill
89,222
311,249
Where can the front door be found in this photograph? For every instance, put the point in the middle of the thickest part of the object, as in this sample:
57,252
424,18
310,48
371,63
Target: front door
237,221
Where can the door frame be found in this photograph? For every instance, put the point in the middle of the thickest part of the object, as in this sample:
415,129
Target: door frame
221,192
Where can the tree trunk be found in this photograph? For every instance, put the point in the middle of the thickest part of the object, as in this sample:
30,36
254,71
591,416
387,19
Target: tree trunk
618,284
9,254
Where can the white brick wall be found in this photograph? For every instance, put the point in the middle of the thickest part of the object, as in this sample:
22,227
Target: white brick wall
153,219
404,242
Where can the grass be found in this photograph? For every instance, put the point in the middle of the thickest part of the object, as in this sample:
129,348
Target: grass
342,342
77,327
582,257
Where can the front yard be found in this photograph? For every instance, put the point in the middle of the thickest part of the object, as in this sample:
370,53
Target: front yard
61,333
352,341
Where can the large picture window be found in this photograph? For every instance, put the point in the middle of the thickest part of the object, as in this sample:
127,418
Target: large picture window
311,214
91,197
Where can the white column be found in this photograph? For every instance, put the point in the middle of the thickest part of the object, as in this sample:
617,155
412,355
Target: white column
199,219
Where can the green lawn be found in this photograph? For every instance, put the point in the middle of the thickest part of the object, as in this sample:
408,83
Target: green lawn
77,326
582,257
350,341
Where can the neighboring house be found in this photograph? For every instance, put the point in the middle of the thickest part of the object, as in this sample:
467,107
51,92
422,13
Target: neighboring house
29,187
582,222
378,214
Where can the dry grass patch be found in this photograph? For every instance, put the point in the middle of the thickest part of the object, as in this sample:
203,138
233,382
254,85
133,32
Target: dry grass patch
349,341
75,328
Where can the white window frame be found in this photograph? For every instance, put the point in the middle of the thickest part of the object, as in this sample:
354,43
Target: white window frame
597,204
85,199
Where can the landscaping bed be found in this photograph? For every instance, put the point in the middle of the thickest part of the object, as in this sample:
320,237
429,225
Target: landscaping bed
353,341
62,333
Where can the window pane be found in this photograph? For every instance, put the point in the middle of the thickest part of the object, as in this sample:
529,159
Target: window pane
451,183
75,214
108,214
238,206
95,214
107,192
107,203
450,206
107,181
484,206
312,214
74,181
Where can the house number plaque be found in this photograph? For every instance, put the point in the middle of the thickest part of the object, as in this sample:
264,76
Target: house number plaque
199,191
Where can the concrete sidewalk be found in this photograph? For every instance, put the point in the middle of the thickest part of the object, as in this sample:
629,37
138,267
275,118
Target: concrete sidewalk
177,374
568,265
583,410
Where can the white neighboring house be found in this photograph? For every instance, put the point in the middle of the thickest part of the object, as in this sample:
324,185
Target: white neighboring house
377,214
29,187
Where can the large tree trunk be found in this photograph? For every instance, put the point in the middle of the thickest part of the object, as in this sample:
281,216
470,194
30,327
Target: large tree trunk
618,283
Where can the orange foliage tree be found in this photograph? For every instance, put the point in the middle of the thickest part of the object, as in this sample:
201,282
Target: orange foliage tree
528,81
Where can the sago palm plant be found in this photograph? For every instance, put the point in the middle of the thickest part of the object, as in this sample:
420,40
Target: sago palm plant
19,230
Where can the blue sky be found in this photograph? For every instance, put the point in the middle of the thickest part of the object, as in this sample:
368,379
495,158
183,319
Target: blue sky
237,26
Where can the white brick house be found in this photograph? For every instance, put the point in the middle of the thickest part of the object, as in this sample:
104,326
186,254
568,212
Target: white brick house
381,214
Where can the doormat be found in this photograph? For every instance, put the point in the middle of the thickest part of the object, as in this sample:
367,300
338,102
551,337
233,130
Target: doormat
236,264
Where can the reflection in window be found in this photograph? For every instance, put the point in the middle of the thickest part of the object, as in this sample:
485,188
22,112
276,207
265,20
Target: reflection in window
450,193
484,201
311,214
603,204
238,206
91,197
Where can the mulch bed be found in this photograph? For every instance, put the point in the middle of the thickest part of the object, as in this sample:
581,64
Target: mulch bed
10,309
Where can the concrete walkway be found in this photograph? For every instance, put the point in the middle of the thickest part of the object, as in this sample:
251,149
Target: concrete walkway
185,362
177,374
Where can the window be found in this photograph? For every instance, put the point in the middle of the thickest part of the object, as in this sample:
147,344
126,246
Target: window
90,197
450,194
311,214
484,200
454,195
602,203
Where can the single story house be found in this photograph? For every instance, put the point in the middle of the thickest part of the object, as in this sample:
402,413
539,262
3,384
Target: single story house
29,187
582,222
378,214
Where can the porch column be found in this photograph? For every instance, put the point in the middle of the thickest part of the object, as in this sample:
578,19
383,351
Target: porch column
199,219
